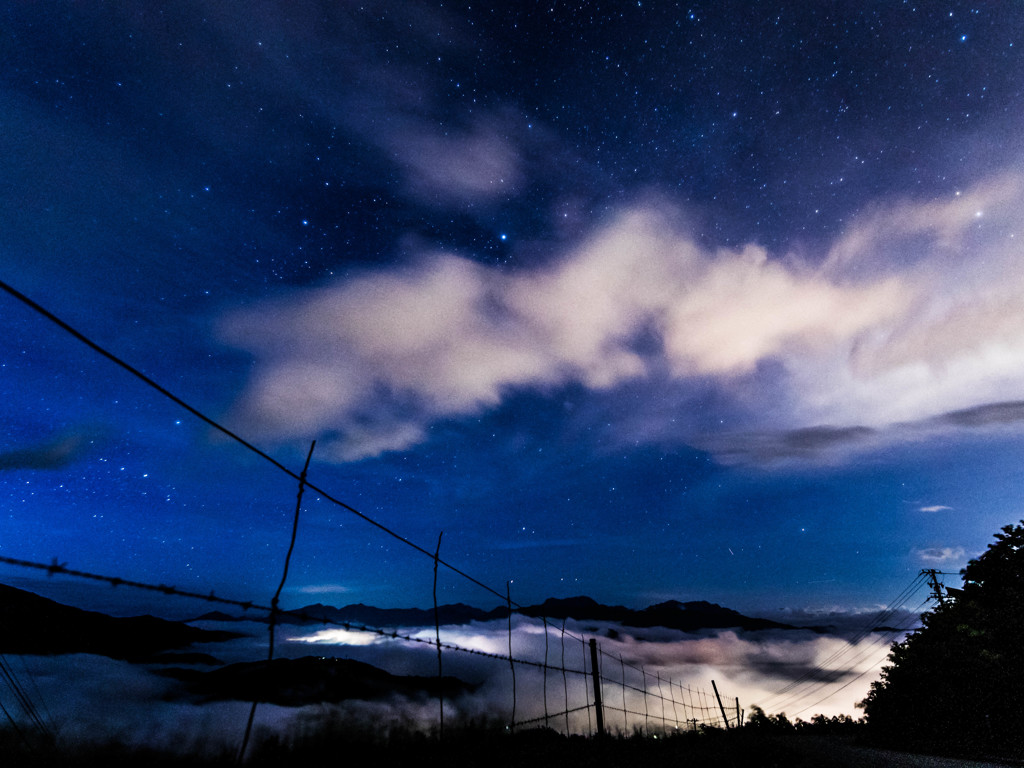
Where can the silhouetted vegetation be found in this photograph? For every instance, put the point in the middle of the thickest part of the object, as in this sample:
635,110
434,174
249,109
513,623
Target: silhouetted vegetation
957,684
484,743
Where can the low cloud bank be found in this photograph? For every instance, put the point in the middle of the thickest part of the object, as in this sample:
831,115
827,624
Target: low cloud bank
800,672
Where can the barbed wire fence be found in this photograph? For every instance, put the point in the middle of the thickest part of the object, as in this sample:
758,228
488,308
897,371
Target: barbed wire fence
650,703
684,707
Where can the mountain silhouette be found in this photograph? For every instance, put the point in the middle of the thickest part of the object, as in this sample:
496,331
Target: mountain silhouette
36,625
687,617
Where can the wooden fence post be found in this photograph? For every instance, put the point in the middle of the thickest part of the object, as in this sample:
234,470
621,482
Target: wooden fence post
724,716
598,708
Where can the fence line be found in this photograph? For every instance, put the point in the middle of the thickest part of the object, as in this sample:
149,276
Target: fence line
56,567
163,391
152,383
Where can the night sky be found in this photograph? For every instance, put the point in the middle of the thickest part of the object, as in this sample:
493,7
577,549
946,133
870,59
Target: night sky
707,301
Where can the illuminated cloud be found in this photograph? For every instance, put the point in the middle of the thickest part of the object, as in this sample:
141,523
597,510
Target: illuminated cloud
378,357
934,508
864,342
322,589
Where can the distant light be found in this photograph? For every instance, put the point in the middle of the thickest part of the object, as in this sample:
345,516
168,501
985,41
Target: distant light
503,236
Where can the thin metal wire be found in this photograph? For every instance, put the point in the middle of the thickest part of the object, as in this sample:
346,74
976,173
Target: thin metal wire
38,308
57,567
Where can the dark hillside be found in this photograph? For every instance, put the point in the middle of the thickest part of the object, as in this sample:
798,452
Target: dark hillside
35,625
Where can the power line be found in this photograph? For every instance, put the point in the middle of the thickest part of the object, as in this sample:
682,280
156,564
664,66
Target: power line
852,681
819,676
870,627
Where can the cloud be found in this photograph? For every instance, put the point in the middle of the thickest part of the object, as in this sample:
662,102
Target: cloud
940,554
322,589
809,668
753,666
913,318
821,443
376,358
472,165
985,415
934,508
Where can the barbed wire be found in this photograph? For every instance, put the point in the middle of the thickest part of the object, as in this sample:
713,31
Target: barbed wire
68,328
56,567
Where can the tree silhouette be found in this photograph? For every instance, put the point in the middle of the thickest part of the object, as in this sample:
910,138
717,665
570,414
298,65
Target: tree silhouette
957,684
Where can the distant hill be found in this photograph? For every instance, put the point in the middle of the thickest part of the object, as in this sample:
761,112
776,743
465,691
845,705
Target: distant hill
687,617
309,680
35,625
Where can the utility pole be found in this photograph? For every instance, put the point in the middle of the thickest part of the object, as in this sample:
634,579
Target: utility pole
933,581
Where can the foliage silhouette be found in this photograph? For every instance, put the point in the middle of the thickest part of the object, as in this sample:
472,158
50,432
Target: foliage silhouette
957,684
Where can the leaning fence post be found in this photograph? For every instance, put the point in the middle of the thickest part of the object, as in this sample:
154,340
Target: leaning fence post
724,716
598,709
437,639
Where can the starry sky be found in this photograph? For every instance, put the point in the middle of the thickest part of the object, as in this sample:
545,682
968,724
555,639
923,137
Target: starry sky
640,300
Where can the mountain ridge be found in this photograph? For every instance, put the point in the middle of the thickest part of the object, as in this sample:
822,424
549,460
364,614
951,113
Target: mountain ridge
688,616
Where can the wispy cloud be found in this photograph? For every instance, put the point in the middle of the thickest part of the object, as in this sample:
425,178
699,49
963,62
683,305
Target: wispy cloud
934,508
52,454
322,589
940,554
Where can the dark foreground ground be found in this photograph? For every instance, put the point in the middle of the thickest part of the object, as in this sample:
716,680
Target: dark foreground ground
492,748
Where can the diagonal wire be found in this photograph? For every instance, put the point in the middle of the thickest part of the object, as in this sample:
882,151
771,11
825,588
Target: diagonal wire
233,435
57,567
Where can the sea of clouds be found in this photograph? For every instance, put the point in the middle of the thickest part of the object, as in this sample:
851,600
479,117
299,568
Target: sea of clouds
799,672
